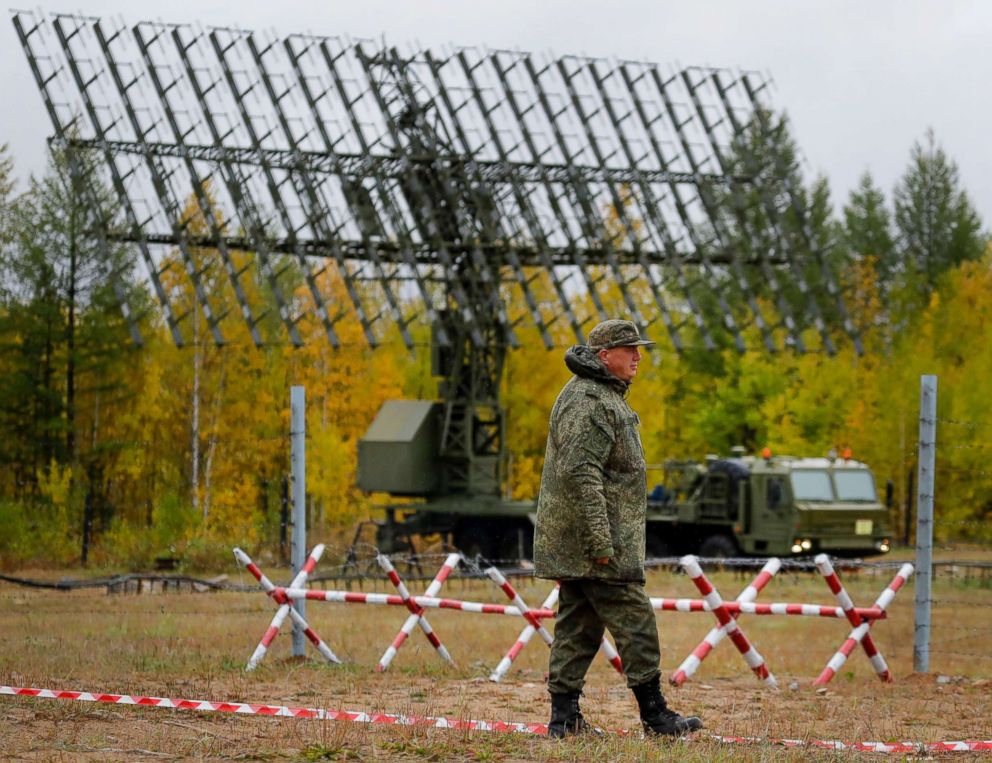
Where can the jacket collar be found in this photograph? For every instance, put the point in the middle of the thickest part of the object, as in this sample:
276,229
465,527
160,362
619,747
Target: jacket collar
586,364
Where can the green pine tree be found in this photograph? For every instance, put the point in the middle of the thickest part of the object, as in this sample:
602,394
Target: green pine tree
774,214
66,347
937,226
868,227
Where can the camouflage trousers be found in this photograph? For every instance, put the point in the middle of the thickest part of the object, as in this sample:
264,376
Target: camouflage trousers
585,609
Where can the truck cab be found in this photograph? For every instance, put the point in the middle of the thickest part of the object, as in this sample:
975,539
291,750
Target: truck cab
836,508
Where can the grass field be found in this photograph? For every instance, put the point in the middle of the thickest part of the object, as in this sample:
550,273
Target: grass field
195,646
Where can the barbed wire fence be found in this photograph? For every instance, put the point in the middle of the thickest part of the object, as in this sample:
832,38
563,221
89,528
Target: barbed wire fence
951,627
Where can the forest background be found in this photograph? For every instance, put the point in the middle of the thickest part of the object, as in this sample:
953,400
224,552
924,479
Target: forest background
116,454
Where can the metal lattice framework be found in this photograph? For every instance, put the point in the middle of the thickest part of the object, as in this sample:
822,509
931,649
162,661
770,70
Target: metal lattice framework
470,190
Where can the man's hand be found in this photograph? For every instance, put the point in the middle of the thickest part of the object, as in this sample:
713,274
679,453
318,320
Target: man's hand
602,560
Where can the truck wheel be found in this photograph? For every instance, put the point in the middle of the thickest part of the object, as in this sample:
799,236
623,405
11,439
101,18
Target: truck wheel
657,547
475,541
718,547
517,543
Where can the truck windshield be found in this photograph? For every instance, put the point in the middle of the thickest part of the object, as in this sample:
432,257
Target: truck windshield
855,485
808,485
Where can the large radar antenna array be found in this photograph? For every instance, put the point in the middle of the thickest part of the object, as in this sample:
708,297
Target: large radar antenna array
471,190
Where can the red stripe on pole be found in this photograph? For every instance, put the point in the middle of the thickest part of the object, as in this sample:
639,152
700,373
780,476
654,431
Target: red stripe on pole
703,584
739,640
824,677
725,619
515,650
702,649
761,580
270,634
834,582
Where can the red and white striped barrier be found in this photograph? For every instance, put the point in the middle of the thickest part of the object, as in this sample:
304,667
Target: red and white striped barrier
417,616
440,722
415,604
751,656
523,639
757,608
717,634
285,608
726,613
877,661
395,600
860,632
498,578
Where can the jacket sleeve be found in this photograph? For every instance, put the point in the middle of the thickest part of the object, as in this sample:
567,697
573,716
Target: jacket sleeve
583,450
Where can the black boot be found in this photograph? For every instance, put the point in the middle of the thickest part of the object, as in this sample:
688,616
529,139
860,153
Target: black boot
656,718
566,718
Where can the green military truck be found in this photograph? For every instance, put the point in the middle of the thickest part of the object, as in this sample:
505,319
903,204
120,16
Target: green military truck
743,505
768,506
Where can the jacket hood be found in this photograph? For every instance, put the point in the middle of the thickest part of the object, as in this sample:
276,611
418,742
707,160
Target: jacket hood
586,364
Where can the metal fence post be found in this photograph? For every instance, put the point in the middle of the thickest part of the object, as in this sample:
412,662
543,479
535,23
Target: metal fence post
297,437
924,521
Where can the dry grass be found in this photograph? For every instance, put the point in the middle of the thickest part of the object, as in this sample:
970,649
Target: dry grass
195,646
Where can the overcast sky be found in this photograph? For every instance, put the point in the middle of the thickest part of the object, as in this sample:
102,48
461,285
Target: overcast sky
860,79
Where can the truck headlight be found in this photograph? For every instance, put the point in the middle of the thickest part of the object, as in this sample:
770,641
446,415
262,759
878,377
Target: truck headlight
883,545
806,544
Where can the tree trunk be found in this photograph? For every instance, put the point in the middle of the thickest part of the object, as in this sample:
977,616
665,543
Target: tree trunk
70,369
195,444
212,445
70,341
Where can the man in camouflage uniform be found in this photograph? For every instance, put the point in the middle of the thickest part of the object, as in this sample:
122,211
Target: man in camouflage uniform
590,532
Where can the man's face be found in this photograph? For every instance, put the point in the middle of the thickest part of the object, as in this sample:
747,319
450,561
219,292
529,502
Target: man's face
621,361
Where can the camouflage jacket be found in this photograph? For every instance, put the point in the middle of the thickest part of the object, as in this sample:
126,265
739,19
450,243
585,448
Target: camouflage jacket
593,488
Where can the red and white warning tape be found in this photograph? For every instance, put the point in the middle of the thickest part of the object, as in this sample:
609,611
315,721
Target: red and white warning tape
285,711
919,748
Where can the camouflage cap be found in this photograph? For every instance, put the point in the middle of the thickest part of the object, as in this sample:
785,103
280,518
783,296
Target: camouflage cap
615,333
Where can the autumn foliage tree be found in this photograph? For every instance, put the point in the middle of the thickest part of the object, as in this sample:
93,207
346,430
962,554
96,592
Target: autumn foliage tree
190,444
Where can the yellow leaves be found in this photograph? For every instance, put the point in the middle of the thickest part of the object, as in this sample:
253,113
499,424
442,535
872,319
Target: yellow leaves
55,483
801,405
525,477
233,508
